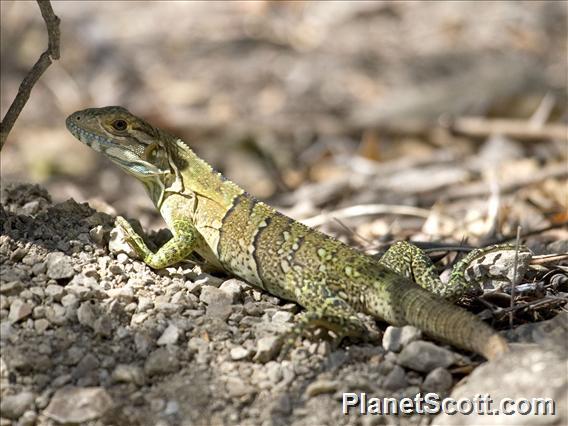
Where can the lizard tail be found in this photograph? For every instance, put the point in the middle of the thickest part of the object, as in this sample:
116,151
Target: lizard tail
452,324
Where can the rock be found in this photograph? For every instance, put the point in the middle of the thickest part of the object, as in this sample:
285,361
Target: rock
73,355
425,356
18,254
55,314
122,258
236,387
201,280
19,310
87,364
115,310
61,380
116,268
129,374
395,379
167,308
59,266
3,369
395,338
267,348
41,325
33,259
124,294
169,336
493,267
55,291
181,298
273,372
194,287
240,353
219,310
103,326
86,314
84,287
210,295
171,409
6,331
161,361
31,208
438,380
144,304
9,273
70,300
77,405
38,312
282,317
143,343
537,372
6,328
99,235
11,288
29,418
233,288
320,387
550,332
39,268
139,318
13,406
218,302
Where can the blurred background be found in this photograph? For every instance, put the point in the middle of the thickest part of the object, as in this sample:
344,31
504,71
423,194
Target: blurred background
313,106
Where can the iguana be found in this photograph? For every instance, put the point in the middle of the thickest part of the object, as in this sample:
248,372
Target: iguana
228,227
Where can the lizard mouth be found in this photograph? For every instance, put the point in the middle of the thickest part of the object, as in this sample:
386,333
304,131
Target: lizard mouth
88,138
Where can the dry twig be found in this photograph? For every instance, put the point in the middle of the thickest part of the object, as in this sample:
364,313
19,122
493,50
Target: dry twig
366,210
477,189
44,61
507,238
517,129
545,259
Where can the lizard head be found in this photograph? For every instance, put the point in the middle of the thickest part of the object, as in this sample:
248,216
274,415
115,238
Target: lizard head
160,161
130,142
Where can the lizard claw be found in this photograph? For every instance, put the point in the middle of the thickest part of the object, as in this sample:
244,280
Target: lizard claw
124,225
131,238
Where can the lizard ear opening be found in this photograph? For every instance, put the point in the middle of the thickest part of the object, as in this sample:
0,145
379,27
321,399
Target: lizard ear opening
151,152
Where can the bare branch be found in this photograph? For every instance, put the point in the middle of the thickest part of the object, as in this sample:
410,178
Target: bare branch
44,61
52,24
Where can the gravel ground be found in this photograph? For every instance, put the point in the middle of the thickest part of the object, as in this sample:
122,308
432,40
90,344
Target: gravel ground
91,336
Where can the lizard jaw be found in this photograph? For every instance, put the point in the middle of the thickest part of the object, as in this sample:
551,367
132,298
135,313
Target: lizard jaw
120,155
90,139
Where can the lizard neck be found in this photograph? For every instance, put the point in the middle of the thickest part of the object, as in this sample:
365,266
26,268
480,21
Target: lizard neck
194,177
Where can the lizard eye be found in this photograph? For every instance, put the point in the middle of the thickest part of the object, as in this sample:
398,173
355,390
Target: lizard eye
119,125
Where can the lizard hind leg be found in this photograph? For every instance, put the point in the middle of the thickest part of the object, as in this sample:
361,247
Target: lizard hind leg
411,262
328,312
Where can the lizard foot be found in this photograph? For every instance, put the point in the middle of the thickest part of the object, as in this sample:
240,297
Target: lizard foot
132,238
320,327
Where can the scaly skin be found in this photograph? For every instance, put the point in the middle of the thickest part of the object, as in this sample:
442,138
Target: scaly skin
211,215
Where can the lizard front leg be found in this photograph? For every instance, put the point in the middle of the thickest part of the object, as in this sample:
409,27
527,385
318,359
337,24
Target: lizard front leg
175,250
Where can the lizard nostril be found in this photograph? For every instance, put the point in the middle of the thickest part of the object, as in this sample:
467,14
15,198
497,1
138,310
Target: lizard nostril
78,117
